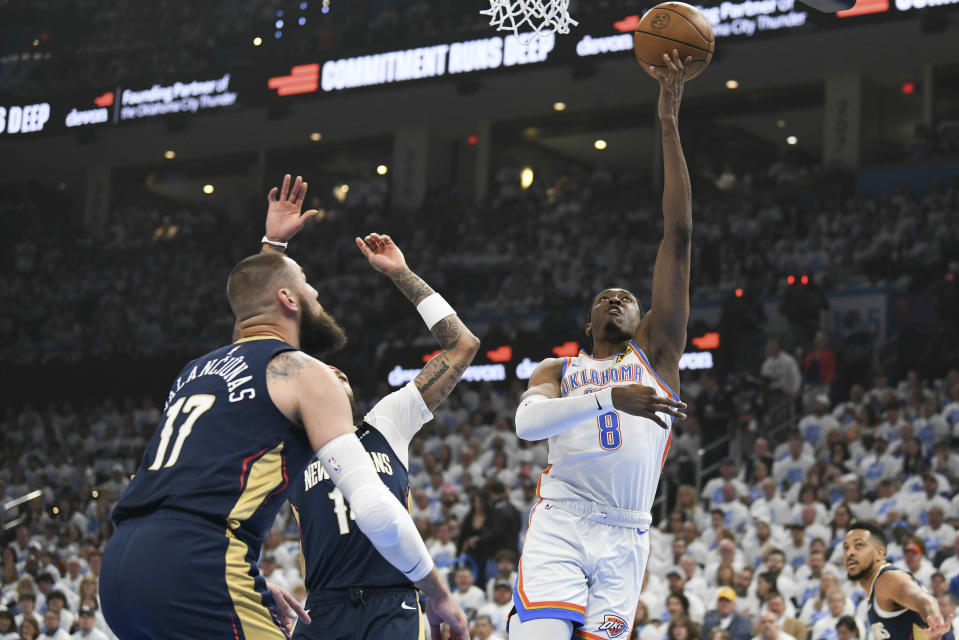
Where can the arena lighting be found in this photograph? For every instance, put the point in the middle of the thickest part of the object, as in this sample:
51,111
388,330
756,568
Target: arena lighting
301,21
500,354
279,24
732,84
95,494
169,154
804,279
56,510
739,293
36,43
567,349
257,41
600,144
208,189
472,139
559,106
429,356
780,123
382,169
790,280
316,136
526,177
908,87
792,140
707,341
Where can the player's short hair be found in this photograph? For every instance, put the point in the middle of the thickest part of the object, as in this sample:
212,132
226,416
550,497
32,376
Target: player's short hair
251,279
849,624
876,532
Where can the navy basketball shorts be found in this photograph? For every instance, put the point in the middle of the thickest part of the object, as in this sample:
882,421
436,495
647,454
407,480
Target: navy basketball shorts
359,614
172,575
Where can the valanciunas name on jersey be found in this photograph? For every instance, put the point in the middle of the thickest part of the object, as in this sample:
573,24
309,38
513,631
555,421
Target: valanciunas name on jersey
229,368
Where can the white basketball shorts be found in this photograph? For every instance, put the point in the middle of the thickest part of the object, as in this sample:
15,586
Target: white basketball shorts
579,570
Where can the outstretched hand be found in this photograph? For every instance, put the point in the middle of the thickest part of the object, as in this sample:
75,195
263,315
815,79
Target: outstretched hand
288,606
672,78
383,254
283,217
937,627
640,400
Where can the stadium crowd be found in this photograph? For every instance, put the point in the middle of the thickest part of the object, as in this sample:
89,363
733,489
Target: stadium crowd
751,552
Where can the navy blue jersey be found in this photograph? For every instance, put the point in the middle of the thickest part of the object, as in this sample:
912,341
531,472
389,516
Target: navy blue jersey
904,624
222,450
335,553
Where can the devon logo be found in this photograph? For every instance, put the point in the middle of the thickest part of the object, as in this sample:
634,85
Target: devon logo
614,626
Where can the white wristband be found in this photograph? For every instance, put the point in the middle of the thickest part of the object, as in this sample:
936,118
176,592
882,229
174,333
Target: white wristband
434,308
274,243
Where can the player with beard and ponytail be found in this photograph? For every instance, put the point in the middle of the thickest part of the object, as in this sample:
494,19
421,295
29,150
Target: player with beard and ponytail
240,423
608,417
899,608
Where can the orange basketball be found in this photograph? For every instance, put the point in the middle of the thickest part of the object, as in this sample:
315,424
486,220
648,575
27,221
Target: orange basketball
674,25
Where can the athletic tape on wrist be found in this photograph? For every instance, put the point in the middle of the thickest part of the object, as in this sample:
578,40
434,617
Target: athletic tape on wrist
433,309
274,243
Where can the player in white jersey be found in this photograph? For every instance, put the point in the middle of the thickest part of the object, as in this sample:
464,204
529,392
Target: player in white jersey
608,417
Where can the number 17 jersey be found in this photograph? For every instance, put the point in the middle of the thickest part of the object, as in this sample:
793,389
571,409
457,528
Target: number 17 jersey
616,458
222,451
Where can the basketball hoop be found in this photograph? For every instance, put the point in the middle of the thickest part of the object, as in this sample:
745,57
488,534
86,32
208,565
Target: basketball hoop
542,16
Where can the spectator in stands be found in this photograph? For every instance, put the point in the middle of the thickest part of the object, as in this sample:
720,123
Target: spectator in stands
497,610
825,627
682,629
761,456
483,629
936,535
791,469
469,597
816,425
819,365
771,506
505,520
769,628
692,604
724,617
916,562
950,565
781,372
57,602
847,628
947,604
85,626
26,603
713,491
51,627
783,610
29,628
8,629
475,533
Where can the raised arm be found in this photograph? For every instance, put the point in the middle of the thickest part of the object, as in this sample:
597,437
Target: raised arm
542,413
307,392
457,342
283,217
899,587
665,324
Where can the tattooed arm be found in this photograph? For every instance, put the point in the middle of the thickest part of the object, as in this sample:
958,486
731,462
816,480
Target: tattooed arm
457,342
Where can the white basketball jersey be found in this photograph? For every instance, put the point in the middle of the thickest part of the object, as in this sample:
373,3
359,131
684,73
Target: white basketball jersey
615,459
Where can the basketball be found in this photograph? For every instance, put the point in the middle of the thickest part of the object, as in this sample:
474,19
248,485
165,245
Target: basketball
674,25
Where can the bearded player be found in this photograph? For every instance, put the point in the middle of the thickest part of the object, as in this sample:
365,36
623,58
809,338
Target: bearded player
898,607
608,417
238,422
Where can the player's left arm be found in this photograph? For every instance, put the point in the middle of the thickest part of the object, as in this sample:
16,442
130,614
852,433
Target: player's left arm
904,591
283,214
458,344
665,324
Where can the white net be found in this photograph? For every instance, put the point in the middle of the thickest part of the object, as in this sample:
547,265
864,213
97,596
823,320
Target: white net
542,16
